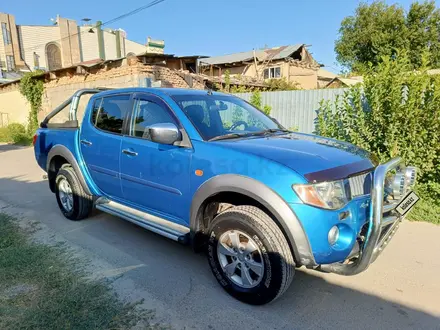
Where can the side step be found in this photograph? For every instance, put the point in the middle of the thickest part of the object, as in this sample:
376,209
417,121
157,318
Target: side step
148,221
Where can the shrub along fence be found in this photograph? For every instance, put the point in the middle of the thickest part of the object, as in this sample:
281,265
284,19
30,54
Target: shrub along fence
395,113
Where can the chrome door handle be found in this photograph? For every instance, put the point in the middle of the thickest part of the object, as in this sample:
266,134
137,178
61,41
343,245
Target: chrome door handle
87,143
129,152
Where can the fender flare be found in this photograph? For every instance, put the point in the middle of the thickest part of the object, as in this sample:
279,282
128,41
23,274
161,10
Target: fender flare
284,215
60,150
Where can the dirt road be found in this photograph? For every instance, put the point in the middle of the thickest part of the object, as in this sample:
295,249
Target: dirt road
400,291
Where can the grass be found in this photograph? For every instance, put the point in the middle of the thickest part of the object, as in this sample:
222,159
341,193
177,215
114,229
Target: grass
46,287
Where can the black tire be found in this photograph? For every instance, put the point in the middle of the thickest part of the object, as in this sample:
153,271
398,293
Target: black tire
82,202
279,266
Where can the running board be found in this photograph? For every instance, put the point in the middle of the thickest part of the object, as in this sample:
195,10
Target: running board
148,221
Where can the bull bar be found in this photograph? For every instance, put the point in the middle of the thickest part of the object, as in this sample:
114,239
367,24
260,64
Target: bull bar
380,229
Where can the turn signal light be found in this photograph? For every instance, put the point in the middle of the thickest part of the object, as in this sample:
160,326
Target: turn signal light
34,140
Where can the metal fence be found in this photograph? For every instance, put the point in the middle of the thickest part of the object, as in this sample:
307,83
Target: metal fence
296,108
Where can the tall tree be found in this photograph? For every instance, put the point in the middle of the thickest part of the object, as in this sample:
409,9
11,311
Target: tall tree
423,23
378,29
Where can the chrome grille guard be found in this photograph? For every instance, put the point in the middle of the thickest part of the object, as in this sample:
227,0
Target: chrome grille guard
380,229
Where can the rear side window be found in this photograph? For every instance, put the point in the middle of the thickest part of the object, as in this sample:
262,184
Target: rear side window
108,113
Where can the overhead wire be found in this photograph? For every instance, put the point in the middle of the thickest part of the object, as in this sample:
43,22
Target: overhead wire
135,11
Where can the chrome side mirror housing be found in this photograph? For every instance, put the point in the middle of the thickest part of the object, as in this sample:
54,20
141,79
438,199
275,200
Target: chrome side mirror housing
165,133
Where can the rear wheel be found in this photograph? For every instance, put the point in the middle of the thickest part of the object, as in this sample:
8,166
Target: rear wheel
249,255
73,201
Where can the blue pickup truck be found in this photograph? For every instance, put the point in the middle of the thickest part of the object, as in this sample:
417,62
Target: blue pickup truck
210,170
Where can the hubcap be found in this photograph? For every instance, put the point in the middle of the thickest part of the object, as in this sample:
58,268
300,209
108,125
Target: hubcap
240,258
65,194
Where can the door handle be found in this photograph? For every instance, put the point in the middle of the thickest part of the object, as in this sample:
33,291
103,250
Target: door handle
87,143
129,152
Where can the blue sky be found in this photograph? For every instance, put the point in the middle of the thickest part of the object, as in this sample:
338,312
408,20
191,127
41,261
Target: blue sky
209,27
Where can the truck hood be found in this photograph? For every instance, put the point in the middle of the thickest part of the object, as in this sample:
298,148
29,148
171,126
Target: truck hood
316,158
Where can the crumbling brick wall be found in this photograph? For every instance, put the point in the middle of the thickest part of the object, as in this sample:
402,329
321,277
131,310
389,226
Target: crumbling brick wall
61,88
61,84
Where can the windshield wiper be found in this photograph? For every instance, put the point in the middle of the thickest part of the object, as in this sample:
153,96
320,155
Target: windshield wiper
270,131
237,135
228,136
276,130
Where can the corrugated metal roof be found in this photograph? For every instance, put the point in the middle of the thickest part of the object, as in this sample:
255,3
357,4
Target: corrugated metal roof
326,74
280,53
286,51
237,57
347,81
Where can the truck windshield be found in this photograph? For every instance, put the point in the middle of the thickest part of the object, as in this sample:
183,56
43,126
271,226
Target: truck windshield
221,116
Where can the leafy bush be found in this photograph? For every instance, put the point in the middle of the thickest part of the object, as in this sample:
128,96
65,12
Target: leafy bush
15,133
4,134
396,112
256,101
281,84
428,208
16,130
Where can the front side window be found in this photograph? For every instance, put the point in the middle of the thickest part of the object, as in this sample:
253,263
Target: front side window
111,113
147,113
6,34
218,115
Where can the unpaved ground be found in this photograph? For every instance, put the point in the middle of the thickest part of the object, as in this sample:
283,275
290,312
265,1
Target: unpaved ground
400,291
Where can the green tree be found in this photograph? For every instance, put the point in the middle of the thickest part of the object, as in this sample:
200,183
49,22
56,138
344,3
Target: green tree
377,29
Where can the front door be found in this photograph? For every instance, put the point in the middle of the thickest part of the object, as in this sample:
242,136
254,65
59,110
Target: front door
100,141
154,177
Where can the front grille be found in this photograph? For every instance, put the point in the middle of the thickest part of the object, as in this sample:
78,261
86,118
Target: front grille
360,184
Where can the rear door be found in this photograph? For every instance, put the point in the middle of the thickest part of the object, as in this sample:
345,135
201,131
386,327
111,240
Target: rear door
100,141
154,177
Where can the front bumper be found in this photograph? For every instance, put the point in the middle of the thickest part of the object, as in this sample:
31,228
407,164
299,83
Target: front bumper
381,227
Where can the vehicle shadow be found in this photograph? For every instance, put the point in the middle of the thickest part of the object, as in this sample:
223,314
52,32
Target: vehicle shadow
182,281
9,147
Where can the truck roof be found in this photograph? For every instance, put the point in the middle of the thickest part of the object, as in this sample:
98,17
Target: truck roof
158,91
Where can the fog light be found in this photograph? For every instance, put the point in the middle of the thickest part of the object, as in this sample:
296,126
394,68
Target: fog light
333,235
399,185
410,175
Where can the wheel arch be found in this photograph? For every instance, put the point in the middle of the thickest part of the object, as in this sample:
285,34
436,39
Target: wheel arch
58,156
258,194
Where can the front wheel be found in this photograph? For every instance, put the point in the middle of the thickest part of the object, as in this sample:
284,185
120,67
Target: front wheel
249,255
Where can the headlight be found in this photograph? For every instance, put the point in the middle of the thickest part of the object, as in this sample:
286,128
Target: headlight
410,175
329,195
399,185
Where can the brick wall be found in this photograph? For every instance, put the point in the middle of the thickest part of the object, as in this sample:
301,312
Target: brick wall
119,74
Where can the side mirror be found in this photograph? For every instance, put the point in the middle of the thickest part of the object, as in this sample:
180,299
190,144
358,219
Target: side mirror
165,133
